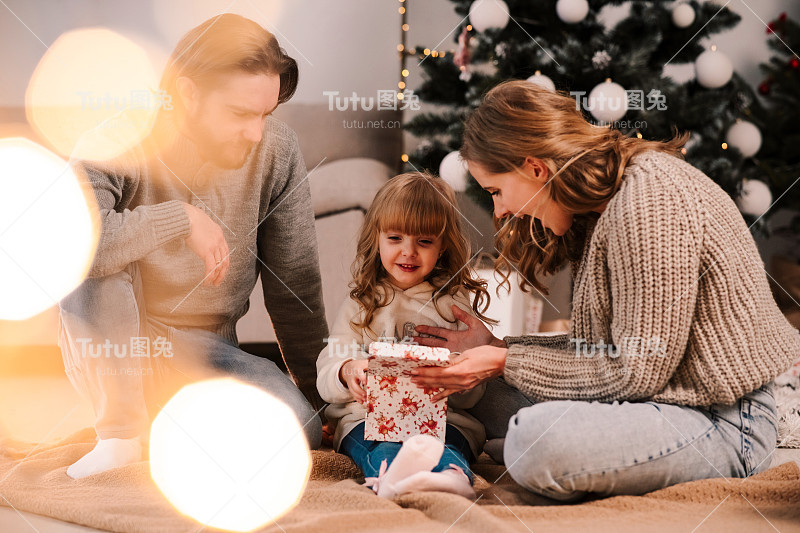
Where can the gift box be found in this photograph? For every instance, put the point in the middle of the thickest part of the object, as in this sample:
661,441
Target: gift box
396,408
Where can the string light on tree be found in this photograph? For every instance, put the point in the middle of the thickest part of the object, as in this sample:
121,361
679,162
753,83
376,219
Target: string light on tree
542,81
488,15
608,101
572,11
683,15
745,137
713,69
401,48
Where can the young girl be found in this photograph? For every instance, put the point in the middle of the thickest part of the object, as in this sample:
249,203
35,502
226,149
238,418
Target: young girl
411,268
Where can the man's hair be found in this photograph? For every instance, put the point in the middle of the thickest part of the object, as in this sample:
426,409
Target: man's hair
224,44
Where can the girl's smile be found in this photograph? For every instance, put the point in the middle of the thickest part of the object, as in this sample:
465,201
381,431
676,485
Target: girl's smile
408,259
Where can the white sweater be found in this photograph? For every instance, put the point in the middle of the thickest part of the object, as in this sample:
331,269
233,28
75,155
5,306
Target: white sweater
407,309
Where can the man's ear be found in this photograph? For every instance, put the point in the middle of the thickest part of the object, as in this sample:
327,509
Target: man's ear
188,92
536,169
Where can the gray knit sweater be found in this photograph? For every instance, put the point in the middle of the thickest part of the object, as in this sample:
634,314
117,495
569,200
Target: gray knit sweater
670,302
264,210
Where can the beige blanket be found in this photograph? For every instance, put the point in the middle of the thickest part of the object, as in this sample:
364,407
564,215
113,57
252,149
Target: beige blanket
33,479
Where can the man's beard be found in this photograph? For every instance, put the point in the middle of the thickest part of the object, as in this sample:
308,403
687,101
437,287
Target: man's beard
229,155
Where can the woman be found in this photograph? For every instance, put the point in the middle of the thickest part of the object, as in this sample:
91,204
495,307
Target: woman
666,374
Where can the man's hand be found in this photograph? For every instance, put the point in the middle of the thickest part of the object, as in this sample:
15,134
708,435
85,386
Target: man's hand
476,334
353,375
208,242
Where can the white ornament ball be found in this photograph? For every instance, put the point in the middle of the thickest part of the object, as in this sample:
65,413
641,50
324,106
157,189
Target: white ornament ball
745,137
713,69
488,15
572,11
755,198
542,81
608,102
683,15
454,171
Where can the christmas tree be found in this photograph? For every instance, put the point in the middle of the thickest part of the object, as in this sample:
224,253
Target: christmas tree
568,47
778,161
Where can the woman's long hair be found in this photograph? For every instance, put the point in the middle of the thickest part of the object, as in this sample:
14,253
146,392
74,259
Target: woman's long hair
518,119
415,203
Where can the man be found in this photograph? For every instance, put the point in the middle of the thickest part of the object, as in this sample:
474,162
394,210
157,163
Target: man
216,195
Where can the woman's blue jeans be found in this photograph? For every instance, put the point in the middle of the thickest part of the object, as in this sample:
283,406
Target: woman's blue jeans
568,449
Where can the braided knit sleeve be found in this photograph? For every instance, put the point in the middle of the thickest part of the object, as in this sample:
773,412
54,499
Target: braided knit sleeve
646,251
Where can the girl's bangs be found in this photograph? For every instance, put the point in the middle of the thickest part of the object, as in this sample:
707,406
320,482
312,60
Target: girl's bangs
413,214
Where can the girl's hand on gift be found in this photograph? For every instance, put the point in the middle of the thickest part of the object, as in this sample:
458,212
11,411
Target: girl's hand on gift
476,334
354,376
468,370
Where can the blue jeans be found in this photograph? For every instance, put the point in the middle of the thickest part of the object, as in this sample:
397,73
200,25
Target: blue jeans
566,450
98,323
368,454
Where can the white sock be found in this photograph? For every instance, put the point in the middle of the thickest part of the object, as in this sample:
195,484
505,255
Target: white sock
452,480
107,454
420,453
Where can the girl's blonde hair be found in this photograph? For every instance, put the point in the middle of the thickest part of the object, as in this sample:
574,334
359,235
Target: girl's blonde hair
415,203
518,119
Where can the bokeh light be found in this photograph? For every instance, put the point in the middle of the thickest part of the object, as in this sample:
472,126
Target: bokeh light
49,229
93,95
229,455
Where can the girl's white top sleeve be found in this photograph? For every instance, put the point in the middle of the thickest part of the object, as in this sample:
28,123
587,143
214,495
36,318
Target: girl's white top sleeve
343,345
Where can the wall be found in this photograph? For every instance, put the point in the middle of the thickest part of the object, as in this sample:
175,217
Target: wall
345,46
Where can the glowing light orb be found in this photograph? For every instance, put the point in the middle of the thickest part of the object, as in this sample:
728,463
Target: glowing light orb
49,229
229,455
94,94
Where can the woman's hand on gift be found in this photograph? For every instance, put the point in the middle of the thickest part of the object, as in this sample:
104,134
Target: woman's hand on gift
353,374
468,370
476,334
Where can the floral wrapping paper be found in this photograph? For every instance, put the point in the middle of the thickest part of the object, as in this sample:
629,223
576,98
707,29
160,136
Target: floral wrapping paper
396,408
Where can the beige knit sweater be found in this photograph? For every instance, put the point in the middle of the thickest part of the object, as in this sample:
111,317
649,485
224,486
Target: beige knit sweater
670,302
